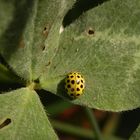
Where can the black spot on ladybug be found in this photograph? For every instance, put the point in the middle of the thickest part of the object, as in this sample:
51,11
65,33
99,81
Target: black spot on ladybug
71,76
78,76
68,81
81,86
78,89
72,81
71,94
72,89
68,86
67,76
82,81
77,94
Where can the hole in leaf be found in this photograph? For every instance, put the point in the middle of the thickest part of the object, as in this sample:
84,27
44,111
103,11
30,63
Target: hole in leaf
5,123
43,47
91,32
49,62
46,30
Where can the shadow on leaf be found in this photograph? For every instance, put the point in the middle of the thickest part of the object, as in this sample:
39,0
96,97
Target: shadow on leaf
12,35
61,90
80,7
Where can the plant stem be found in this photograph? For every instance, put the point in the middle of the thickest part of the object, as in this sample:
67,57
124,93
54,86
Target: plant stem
78,131
74,130
94,124
111,124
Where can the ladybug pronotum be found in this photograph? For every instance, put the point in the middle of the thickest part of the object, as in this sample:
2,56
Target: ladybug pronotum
74,84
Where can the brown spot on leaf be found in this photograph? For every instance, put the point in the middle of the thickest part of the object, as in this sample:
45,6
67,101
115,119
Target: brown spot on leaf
21,43
54,67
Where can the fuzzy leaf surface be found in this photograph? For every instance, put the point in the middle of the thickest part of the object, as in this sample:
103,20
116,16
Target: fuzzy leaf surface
22,117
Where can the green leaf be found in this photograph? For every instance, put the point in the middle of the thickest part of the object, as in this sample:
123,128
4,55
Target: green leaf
136,134
23,117
26,25
104,45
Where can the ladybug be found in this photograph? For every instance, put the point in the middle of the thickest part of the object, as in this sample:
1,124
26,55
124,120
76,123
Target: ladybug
74,84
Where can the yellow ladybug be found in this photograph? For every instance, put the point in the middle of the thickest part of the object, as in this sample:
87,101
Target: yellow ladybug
74,84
